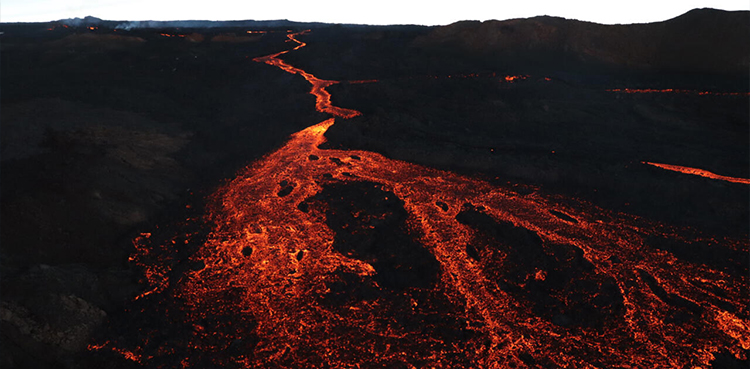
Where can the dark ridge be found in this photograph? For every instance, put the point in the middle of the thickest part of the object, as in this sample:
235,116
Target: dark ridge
517,238
700,40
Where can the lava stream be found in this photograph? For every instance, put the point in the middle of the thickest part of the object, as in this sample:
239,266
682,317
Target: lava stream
322,97
698,172
345,258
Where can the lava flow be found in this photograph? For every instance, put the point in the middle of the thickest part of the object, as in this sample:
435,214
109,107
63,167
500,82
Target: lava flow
345,258
323,97
698,172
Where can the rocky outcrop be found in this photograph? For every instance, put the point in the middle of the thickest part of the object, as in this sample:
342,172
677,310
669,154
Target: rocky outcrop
50,313
71,329
95,167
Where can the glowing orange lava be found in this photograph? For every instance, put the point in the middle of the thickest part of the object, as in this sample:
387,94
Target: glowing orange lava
124,353
170,35
55,27
512,79
323,97
346,258
698,172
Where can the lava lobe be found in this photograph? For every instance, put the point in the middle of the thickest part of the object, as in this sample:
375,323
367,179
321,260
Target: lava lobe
556,279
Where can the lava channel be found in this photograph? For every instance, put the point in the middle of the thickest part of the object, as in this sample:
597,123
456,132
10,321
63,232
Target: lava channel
698,172
346,258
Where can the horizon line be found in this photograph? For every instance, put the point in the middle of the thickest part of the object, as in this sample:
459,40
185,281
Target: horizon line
78,19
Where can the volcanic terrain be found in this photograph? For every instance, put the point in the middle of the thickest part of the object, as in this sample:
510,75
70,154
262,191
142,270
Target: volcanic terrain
528,193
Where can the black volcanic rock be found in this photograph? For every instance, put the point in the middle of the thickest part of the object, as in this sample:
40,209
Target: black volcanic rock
569,134
370,225
56,310
702,40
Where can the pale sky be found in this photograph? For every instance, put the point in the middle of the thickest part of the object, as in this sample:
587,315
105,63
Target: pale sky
436,12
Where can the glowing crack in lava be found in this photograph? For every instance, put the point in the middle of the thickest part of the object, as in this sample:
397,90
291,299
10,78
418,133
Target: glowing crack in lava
345,258
698,172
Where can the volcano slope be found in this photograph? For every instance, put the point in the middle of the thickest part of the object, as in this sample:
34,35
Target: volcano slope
437,206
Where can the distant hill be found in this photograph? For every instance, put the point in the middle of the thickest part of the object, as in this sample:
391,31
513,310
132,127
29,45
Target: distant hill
701,40
90,21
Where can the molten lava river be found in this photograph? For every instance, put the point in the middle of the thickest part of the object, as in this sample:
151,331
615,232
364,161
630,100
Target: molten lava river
333,258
